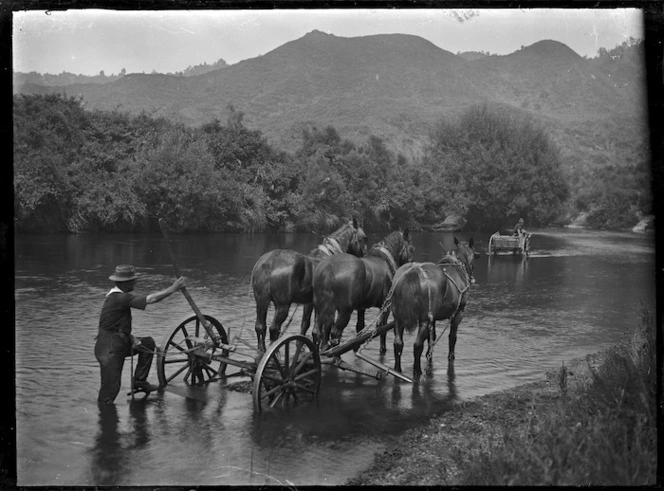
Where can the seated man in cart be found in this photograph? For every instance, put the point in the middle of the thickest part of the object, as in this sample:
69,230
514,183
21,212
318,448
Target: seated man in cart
114,338
518,228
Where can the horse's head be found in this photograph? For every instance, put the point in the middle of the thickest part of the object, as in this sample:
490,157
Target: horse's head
466,254
357,243
406,250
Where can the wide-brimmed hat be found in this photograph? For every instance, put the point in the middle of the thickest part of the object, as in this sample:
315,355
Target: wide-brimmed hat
124,272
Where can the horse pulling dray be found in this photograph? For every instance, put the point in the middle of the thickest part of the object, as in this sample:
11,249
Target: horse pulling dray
509,244
199,352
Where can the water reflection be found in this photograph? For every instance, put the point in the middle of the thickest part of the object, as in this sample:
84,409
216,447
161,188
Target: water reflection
108,459
507,269
139,423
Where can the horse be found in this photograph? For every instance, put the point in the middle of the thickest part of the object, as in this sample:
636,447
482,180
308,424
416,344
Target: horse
343,283
283,277
426,292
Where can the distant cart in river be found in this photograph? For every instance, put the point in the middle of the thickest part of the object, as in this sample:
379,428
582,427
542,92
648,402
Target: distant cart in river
509,244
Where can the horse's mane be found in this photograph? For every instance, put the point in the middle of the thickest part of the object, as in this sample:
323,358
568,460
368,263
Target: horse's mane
392,243
449,259
342,231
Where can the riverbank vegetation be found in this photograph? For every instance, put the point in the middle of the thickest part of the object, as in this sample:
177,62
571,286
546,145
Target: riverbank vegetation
593,422
77,170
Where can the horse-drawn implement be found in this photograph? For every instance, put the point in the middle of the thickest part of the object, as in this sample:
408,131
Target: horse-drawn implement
199,352
509,244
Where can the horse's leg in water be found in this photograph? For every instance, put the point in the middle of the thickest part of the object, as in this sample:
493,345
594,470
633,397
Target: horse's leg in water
432,340
360,320
308,308
261,319
398,346
383,337
454,324
418,346
280,315
339,325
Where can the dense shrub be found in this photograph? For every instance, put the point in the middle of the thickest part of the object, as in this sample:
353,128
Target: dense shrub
492,164
78,170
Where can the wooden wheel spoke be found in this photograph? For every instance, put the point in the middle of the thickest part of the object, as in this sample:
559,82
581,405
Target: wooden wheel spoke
176,360
211,370
273,378
176,346
305,375
305,388
286,358
296,357
178,372
276,399
279,389
277,364
301,362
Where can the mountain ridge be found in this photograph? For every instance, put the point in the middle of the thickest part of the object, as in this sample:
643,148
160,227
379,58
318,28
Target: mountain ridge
392,85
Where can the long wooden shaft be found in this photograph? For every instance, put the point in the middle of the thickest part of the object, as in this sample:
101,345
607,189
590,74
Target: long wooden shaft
357,341
207,325
382,366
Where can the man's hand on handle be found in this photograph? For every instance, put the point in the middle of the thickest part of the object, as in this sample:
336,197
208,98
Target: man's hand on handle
178,284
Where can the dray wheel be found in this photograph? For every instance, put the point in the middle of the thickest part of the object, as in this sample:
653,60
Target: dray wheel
181,355
289,372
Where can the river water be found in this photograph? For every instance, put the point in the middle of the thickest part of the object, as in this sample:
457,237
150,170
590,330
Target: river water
578,292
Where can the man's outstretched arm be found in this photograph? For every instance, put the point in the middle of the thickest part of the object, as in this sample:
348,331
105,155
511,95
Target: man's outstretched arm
159,296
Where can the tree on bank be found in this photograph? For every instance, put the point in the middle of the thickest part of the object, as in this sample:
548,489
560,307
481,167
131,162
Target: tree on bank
492,165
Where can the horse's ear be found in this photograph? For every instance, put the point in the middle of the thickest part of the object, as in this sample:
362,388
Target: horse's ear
456,241
405,234
471,242
354,222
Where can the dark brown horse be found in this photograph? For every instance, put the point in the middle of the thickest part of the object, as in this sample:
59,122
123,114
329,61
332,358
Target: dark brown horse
343,283
284,277
426,292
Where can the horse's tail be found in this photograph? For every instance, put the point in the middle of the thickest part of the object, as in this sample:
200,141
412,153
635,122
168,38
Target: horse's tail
324,304
260,284
299,272
407,300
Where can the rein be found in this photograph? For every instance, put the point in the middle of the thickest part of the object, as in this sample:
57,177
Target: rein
463,291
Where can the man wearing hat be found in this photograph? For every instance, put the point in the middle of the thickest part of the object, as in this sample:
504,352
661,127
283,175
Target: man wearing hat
114,339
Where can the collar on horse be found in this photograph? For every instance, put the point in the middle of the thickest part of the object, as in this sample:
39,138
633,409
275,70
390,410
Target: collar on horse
388,255
330,246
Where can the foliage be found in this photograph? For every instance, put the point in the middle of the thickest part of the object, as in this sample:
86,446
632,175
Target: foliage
78,170
601,433
491,165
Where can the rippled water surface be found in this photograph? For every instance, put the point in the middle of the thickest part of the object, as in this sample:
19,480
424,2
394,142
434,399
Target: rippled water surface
578,292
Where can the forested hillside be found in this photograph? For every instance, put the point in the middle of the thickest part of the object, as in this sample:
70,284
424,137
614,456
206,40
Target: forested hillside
78,170
382,110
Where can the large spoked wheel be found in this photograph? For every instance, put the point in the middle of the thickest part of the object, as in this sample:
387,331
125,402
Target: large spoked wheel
288,373
188,353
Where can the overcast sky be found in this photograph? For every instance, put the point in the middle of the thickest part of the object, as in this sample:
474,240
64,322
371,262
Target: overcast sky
88,41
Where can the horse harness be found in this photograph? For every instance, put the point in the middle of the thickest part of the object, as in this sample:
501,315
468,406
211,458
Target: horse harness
390,259
330,246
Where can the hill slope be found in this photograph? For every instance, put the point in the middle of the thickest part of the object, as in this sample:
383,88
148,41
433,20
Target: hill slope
393,86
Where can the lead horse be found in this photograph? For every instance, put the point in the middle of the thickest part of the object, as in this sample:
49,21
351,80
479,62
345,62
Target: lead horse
284,277
343,283
426,292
